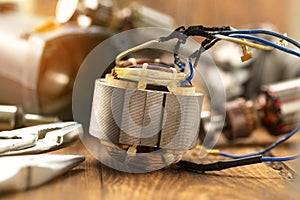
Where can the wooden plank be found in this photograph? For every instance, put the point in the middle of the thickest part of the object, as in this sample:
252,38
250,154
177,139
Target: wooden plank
261,139
248,182
82,182
92,180
258,181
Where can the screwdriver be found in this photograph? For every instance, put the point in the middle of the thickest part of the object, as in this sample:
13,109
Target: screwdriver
12,117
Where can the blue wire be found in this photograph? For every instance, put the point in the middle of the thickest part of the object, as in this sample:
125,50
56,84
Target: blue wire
266,32
181,65
266,42
228,155
269,148
279,159
189,79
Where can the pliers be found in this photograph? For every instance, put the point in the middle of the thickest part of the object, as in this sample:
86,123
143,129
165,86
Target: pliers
21,172
39,139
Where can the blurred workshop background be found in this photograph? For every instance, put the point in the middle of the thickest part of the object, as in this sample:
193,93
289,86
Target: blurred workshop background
284,15
35,74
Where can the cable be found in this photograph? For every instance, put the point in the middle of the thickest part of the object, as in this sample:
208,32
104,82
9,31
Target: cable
259,31
225,164
134,49
244,42
269,148
280,159
219,165
210,44
206,44
181,33
209,33
266,42
190,77
213,35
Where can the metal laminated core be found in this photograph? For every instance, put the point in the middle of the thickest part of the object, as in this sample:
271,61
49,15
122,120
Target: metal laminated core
145,117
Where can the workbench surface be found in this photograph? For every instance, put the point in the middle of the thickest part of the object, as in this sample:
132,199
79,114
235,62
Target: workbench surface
92,180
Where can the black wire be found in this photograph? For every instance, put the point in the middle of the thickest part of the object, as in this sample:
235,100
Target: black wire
180,28
181,33
220,165
212,43
200,30
177,59
197,31
205,45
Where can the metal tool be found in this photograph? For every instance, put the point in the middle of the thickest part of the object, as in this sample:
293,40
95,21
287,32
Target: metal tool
27,171
12,117
39,139
35,79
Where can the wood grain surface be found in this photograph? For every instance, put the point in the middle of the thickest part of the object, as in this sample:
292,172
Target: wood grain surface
92,180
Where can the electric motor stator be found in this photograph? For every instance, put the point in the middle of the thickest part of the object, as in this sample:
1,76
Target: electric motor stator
134,107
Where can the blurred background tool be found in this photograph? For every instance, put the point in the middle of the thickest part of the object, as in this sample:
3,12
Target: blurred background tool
38,72
39,139
24,172
277,108
12,117
40,55
109,13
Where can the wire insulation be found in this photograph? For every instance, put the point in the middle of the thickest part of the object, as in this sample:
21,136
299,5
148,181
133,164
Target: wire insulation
134,49
280,159
191,75
219,165
244,42
226,164
260,31
269,148
266,42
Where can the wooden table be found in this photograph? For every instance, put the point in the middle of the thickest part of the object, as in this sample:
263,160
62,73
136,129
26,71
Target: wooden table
92,180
